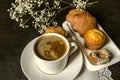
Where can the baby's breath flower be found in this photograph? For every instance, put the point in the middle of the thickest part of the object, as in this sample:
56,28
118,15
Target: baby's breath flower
41,13
82,4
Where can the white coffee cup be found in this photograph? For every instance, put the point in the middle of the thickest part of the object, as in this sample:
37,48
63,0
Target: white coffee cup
57,65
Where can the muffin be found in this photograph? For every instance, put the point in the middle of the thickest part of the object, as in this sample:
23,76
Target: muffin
94,39
81,21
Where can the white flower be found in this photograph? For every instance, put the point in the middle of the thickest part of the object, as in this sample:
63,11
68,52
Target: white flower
41,13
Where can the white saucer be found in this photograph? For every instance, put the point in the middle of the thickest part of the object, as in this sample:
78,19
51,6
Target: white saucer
33,73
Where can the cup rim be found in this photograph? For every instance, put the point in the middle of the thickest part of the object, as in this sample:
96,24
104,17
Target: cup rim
54,34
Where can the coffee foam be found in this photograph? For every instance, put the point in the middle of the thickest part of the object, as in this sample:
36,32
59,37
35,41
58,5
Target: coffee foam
54,40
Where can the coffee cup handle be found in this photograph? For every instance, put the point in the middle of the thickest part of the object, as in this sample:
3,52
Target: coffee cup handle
73,47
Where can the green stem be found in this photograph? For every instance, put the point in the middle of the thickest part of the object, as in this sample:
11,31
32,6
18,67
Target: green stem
27,20
59,12
65,2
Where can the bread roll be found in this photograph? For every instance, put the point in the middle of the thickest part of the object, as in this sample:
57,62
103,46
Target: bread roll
81,21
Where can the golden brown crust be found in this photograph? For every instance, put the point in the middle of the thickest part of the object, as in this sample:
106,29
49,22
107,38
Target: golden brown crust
81,21
100,57
58,30
50,30
92,59
71,14
94,39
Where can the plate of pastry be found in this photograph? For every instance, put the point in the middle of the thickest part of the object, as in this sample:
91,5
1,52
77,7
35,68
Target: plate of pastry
97,47
95,59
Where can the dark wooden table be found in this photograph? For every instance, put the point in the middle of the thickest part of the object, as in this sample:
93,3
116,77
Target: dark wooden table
13,39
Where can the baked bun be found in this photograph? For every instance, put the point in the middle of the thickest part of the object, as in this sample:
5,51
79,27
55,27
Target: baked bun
58,30
71,14
94,39
81,21
100,56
